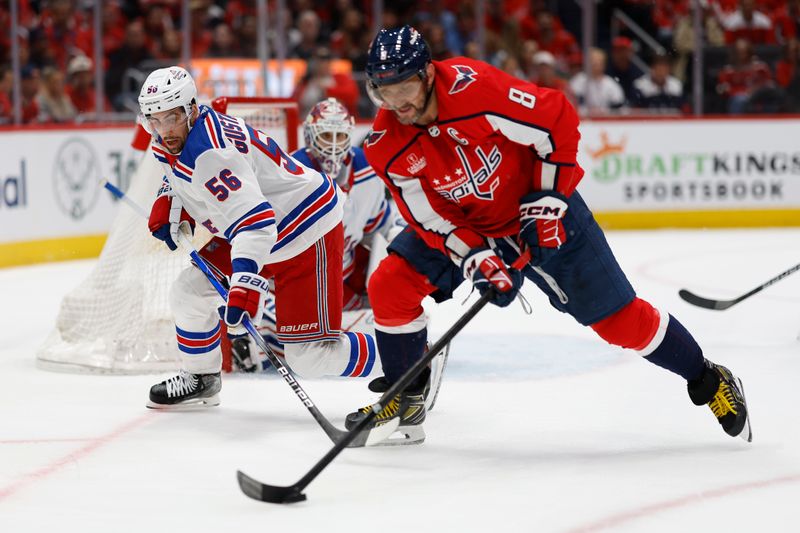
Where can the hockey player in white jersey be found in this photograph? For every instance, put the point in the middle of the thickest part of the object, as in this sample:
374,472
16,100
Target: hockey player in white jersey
279,219
370,220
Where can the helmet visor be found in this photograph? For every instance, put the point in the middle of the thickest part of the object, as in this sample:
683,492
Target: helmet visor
165,122
397,96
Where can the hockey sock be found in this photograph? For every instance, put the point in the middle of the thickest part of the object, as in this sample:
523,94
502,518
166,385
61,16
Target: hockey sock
399,351
655,335
678,352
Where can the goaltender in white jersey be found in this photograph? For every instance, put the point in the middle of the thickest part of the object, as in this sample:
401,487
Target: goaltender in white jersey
276,218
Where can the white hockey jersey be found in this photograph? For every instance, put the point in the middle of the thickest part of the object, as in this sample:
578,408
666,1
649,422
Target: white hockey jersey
237,181
366,210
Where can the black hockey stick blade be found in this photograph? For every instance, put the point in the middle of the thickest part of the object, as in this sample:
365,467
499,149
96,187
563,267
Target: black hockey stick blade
293,493
721,305
706,303
268,493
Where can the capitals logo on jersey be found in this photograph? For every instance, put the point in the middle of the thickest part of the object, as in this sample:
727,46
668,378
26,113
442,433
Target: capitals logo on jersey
472,179
464,77
373,137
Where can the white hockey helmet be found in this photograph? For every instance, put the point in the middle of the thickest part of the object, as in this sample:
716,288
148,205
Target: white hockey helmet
165,89
328,130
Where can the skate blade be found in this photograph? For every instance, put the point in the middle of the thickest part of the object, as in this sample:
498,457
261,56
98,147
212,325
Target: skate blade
403,436
189,405
747,433
438,364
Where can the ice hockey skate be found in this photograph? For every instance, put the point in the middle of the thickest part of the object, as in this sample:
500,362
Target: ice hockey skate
186,391
432,386
724,395
409,405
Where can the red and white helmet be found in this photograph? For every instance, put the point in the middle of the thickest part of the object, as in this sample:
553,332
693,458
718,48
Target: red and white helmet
165,89
328,130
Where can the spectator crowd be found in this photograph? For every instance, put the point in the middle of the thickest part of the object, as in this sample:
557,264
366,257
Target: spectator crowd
751,58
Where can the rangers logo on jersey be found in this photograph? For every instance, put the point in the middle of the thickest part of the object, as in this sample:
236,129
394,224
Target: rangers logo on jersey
466,75
373,137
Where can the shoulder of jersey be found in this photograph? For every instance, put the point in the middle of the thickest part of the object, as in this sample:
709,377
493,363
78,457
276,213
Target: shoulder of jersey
301,155
465,77
385,138
359,159
206,135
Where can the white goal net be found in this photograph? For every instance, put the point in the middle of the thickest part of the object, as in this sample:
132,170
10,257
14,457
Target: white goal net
118,319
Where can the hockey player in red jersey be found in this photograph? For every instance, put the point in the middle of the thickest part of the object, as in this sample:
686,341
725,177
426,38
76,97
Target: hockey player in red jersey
483,167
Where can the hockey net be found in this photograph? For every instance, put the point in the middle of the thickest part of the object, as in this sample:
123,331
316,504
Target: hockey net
118,320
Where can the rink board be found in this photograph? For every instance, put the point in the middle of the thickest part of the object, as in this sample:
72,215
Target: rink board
639,175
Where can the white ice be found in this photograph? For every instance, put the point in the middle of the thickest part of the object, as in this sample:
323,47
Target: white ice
539,426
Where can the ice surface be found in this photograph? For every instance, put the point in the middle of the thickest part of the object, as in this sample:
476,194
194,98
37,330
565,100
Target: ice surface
539,426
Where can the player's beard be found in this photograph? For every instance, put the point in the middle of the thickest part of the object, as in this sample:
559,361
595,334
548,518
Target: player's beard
408,118
173,144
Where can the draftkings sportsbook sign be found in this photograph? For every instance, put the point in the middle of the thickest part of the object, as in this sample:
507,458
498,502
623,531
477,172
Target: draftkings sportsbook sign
691,165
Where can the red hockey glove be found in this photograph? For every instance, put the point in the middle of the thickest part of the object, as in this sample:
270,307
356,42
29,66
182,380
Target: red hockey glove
485,269
167,217
246,295
541,228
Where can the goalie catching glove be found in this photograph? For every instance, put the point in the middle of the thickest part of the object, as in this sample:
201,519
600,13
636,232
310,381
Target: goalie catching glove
167,217
541,226
485,269
246,296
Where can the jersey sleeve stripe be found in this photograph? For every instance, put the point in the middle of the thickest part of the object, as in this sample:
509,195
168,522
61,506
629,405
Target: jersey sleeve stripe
259,217
378,221
312,208
524,133
417,204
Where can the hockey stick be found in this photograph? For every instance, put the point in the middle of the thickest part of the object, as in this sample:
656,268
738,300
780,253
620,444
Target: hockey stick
293,493
366,438
721,305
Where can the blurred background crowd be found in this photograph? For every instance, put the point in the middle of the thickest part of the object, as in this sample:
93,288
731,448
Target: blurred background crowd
638,60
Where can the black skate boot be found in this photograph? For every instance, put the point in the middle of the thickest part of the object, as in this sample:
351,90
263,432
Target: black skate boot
432,385
186,391
409,405
724,394
241,355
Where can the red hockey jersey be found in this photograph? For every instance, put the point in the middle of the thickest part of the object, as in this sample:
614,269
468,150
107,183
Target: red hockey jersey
496,138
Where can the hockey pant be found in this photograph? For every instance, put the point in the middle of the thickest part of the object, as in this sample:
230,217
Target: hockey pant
308,311
583,280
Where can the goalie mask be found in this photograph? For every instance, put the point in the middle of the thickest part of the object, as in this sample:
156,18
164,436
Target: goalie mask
165,89
328,130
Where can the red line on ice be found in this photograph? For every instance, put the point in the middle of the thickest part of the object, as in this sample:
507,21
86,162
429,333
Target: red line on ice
683,501
81,453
